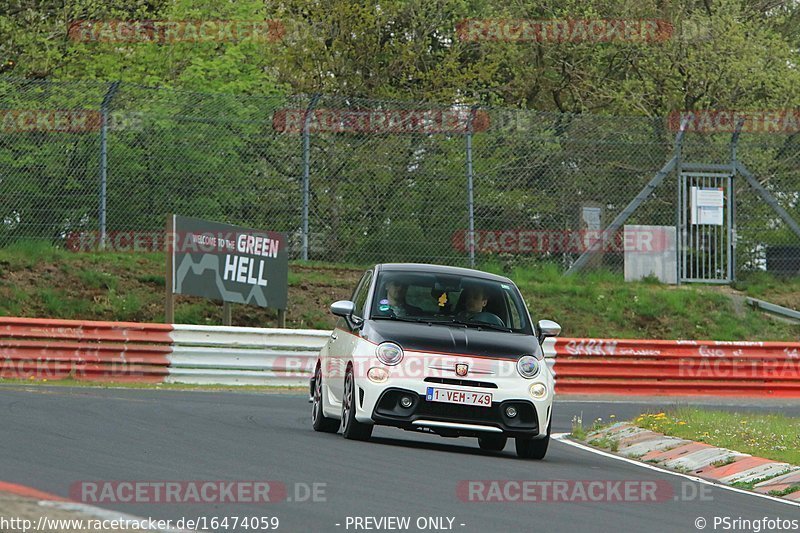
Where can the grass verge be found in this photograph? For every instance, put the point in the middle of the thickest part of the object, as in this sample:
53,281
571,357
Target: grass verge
772,436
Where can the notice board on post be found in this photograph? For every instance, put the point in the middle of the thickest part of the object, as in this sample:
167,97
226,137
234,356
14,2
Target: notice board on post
227,263
707,206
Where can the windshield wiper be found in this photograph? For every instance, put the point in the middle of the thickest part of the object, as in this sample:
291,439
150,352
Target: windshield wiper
420,320
482,325
445,321
400,318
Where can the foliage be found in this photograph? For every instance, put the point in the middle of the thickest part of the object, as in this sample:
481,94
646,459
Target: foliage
211,149
723,54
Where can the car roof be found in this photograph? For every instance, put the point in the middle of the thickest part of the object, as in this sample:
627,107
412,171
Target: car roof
439,269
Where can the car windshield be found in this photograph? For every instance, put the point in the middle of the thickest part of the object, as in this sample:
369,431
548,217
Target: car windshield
450,299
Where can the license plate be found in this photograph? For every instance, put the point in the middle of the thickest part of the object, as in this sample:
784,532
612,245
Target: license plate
481,399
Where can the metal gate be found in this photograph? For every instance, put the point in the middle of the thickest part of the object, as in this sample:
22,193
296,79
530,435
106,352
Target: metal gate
706,227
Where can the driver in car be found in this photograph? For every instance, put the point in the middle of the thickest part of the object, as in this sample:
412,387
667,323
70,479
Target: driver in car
475,300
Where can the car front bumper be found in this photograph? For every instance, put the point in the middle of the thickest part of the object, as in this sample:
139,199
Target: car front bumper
456,419
379,403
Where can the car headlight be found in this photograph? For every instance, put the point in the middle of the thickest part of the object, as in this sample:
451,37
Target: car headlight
528,366
538,390
377,374
389,353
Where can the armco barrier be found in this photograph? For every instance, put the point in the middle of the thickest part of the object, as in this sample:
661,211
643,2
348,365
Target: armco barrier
656,367
120,351
176,353
92,351
243,356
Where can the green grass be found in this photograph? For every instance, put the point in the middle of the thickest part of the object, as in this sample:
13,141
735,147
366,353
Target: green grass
154,279
28,254
783,291
125,306
606,442
97,279
772,436
193,313
764,285
57,303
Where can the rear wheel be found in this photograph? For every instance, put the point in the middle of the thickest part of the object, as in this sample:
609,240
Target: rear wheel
352,428
319,421
492,444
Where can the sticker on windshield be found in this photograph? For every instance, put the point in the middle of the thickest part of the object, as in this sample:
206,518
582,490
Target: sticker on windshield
443,299
506,287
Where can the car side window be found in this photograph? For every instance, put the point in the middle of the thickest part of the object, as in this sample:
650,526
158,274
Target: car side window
360,295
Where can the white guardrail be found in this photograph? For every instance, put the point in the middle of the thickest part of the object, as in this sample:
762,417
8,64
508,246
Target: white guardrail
251,356
243,356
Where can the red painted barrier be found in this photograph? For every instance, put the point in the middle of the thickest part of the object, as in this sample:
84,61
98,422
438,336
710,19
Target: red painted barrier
32,348
42,328
658,367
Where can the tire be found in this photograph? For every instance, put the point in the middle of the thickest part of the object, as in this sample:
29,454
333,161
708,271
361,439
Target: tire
534,448
319,421
492,444
352,429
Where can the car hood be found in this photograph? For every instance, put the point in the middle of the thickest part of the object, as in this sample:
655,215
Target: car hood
452,339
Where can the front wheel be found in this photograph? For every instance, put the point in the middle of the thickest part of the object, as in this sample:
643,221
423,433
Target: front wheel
492,444
319,421
351,428
534,448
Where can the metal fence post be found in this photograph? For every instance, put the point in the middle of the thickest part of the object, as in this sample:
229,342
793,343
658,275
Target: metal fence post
104,159
680,264
307,172
732,211
470,188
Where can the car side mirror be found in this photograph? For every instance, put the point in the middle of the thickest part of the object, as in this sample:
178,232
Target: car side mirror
343,308
548,328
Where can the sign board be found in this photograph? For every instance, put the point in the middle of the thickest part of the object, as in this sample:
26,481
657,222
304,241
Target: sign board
649,258
707,206
591,217
229,263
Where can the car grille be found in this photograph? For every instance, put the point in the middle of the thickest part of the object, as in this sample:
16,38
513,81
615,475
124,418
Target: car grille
462,382
461,412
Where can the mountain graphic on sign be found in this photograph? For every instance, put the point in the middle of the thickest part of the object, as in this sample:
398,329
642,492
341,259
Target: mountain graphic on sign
211,262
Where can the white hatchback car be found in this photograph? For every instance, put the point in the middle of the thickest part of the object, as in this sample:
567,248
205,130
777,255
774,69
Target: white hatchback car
438,349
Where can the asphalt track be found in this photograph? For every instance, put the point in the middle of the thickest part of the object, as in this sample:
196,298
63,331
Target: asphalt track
52,437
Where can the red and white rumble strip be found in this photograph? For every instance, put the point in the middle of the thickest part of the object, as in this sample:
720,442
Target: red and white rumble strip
702,460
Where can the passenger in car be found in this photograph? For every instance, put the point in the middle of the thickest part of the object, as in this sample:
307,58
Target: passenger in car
396,300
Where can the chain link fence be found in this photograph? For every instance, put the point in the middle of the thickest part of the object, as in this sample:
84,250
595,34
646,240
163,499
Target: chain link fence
361,181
